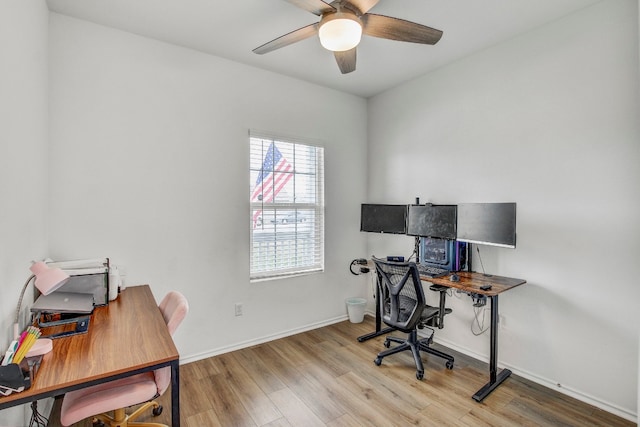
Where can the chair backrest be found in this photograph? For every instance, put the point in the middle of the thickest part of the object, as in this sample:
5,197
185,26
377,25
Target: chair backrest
402,299
174,308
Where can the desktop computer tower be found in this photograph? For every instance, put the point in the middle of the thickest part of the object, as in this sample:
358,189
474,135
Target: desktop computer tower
441,253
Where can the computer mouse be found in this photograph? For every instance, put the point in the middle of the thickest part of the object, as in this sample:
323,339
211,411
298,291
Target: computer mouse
454,278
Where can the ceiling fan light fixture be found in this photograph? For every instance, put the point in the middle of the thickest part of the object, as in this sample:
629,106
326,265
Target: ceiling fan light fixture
340,31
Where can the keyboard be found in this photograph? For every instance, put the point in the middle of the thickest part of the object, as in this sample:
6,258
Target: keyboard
426,270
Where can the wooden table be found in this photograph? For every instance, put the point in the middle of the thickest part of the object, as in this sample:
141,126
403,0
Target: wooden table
471,282
126,337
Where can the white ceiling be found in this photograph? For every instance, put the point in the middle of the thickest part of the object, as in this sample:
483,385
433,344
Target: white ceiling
232,28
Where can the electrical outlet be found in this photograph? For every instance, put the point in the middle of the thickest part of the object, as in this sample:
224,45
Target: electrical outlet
238,309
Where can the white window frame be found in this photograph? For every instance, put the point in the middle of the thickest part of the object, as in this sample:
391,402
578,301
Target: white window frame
275,248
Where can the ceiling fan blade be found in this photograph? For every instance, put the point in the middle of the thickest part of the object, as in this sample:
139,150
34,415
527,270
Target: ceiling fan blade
360,6
346,60
390,28
287,39
317,7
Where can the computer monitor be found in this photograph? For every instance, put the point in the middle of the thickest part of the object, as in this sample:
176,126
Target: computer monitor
487,224
437,221
383,218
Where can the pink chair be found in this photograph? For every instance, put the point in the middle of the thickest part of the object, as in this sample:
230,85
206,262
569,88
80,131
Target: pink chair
117,395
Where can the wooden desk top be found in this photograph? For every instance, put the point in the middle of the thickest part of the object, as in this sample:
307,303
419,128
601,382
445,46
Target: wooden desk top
127,335
471,282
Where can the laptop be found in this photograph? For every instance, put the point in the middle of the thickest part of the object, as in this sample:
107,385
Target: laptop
63,302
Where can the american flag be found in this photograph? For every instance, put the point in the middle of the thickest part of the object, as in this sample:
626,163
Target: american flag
275,173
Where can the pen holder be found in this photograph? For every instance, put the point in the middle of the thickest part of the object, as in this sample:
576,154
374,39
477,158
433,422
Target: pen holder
15,378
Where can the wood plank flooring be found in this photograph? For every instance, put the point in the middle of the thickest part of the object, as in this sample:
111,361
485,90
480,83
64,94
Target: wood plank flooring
325,377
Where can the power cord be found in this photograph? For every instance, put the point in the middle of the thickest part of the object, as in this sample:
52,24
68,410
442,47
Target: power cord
484,273
37,419
476,321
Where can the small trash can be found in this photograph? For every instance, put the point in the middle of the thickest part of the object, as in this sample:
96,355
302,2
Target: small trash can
355,309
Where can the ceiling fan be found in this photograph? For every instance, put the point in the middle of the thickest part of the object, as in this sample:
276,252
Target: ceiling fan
342,24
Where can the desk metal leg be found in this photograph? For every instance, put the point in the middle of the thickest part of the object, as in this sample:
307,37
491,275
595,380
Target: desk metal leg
175,393
495,378
379,331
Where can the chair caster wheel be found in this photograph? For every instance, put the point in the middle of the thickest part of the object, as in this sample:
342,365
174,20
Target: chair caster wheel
157,411
378,361
387,343
420,375
449,365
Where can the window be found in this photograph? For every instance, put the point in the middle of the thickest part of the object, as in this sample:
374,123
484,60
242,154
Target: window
287,207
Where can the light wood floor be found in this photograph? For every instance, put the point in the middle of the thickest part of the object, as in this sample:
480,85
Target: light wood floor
326,378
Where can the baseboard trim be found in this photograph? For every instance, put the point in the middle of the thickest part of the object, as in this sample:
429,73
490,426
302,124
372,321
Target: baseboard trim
260,340
553,385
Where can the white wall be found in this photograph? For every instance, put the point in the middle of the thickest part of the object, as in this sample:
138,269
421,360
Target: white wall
548,120
151,143
147,139
23,157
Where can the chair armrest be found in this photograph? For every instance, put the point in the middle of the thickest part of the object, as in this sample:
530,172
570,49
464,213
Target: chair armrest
442,311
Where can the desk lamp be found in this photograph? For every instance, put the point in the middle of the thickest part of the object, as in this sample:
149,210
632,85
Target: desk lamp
47,281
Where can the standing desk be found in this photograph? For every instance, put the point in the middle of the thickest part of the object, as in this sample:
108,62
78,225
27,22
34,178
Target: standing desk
470,282
126,337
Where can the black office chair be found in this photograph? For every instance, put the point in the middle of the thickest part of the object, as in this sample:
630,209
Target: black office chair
403,306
